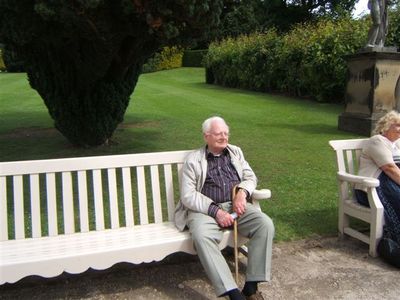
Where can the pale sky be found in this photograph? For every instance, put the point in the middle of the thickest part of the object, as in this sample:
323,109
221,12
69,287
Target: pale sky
361,8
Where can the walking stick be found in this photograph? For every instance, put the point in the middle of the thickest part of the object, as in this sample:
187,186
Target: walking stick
235,240
235,245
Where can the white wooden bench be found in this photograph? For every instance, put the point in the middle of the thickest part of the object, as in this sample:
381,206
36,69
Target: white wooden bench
347,155
68,215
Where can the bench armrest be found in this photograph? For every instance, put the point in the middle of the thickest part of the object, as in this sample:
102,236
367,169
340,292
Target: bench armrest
368,182
261,194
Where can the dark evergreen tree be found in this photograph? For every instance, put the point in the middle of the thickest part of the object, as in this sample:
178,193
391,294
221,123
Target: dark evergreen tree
84,57
12,62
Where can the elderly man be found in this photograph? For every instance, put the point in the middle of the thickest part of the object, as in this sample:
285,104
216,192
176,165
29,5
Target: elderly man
208,177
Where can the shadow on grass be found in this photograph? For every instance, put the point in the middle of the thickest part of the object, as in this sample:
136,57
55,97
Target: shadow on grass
314,128
39,143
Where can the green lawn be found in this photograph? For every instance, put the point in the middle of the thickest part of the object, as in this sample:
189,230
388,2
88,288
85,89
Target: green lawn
284,139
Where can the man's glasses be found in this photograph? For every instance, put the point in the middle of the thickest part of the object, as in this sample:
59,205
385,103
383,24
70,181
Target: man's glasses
220,134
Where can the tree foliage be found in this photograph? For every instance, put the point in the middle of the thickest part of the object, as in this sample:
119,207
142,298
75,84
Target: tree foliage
284,14
393,37
244,17
84,56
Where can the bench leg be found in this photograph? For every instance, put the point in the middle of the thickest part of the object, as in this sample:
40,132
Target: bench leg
344,221
376,233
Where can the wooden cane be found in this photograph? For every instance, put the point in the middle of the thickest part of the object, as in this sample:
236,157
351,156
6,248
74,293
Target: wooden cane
235,240
235,245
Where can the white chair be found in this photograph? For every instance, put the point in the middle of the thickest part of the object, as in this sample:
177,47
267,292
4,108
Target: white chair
347,155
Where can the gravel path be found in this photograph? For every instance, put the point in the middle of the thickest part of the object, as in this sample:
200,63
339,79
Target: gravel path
320,268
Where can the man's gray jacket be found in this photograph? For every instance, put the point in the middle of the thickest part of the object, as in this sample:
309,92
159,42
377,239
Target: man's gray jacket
194,174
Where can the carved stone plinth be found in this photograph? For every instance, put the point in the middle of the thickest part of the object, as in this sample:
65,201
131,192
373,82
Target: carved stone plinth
373,89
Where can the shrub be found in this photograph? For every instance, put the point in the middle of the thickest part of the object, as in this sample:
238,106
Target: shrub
167,58
244,62
314,58
2,65
12,62
308,61
393,37
193,58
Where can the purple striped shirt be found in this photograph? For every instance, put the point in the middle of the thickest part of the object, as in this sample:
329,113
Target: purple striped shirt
221,178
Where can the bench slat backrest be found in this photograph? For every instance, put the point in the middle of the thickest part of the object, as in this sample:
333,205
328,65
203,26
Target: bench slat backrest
348,154
347,157
63,196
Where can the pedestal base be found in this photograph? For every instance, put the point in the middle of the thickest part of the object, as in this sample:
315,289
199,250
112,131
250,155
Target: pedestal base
373,89
359,124
374,48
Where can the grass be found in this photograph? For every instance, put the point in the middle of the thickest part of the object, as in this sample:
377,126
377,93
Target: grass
284,139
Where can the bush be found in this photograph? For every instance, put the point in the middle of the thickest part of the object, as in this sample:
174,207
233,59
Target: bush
2,65
167,58
313,58
309,61
193,58
210,76
11,61
393,37
244,62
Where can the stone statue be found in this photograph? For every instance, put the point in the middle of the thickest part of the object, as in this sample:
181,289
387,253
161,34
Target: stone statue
380,22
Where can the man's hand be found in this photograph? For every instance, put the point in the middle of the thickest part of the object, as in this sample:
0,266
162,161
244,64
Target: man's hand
223,218
239,202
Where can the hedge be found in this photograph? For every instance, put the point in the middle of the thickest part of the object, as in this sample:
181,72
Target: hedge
2,65
309,61
193,58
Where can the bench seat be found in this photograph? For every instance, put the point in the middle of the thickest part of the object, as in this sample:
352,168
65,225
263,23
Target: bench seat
77,252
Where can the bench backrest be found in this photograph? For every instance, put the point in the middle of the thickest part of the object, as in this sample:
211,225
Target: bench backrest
62,196
348,157
348,154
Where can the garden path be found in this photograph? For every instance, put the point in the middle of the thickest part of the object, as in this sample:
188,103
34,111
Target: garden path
317,268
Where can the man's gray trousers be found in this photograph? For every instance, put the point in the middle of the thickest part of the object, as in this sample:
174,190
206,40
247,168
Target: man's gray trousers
206,235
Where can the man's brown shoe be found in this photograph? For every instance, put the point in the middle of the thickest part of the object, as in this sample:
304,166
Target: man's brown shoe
256,296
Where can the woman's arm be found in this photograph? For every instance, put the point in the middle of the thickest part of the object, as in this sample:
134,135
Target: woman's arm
393,171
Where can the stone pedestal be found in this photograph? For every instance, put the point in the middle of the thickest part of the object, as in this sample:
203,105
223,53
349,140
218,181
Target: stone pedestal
373,89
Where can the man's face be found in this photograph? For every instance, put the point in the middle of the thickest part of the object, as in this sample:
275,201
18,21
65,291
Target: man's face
217,138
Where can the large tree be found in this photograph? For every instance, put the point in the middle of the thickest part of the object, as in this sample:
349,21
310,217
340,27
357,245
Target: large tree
84,57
